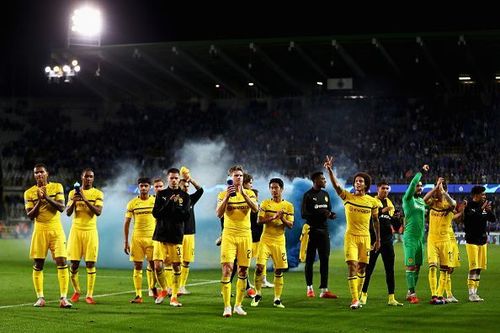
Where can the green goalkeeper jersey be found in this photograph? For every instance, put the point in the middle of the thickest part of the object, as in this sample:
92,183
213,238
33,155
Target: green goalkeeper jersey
414,210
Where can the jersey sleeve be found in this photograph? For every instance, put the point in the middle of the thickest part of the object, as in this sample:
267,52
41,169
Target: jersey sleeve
130,210
70,198
59,193
289,213
99,200
28,202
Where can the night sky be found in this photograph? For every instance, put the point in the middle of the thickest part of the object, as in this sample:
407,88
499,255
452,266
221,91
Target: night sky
38,26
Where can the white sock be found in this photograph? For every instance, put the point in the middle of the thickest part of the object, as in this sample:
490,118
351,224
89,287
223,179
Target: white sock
324,290
309,288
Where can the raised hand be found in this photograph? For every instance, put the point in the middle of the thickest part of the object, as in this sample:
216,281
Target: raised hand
328,164
425,168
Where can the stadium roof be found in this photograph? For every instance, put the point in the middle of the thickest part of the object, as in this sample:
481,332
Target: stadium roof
288,66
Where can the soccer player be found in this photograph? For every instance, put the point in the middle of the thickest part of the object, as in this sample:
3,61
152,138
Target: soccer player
188,242
414,230
140,209
235,205
385,217
360,210
86,203
44,203
275,214
316,210
171,210
476,213
438,240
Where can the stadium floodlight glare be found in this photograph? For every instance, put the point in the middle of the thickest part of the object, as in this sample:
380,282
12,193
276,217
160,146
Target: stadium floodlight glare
464,77
250,84
319,83
86,21
85,27
65,72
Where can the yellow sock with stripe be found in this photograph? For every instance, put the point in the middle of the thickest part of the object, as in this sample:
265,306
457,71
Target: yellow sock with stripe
63,278
161,278
241,288
278,285
449,293
433,280
443,277
353,287
184,275
91,276
175,283
225,288
38,282
169,276
258,281
151,277
137,278
75,280
361,281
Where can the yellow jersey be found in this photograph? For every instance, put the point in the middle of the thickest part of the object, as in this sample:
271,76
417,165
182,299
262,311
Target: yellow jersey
237,214
84,218
274,231
48,218
440,217
142,213
358,212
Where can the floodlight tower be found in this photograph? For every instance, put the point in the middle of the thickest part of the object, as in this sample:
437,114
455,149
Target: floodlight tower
85,27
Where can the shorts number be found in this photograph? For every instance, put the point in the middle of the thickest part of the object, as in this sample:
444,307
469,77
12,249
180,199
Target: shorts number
249,252
178,249
283,256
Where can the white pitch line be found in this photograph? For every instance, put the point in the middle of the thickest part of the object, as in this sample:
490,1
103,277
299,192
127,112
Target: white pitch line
111,294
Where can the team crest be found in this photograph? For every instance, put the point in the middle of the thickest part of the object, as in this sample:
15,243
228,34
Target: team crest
326,199
181,201
410,260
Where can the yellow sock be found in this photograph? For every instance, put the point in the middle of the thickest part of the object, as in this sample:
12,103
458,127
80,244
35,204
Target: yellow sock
169,276
258,280
184,275
353,287
225,287
91,275
433,280
75,281
241,287
278,285
150,276
449,293
361,281
175,283
443,276
162,280
137,278
63,278
38,282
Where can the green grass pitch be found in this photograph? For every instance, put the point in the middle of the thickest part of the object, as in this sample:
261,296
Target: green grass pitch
202,310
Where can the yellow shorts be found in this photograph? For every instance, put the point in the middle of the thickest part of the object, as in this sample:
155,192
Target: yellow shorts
438,252
454,259
83,243
477,255
357,248
188,243
274,250
44,240
236,247
140,248
255,249
167,252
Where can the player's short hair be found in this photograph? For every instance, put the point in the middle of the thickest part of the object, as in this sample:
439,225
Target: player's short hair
87,169
40,165
382,183
478,189
143,180
247,178
277,181
173,170
366,177
235,168
315,175
157,180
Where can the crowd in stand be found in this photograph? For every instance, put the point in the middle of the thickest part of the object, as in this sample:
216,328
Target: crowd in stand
386,137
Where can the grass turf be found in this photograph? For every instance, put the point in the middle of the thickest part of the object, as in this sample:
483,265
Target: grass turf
202,310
